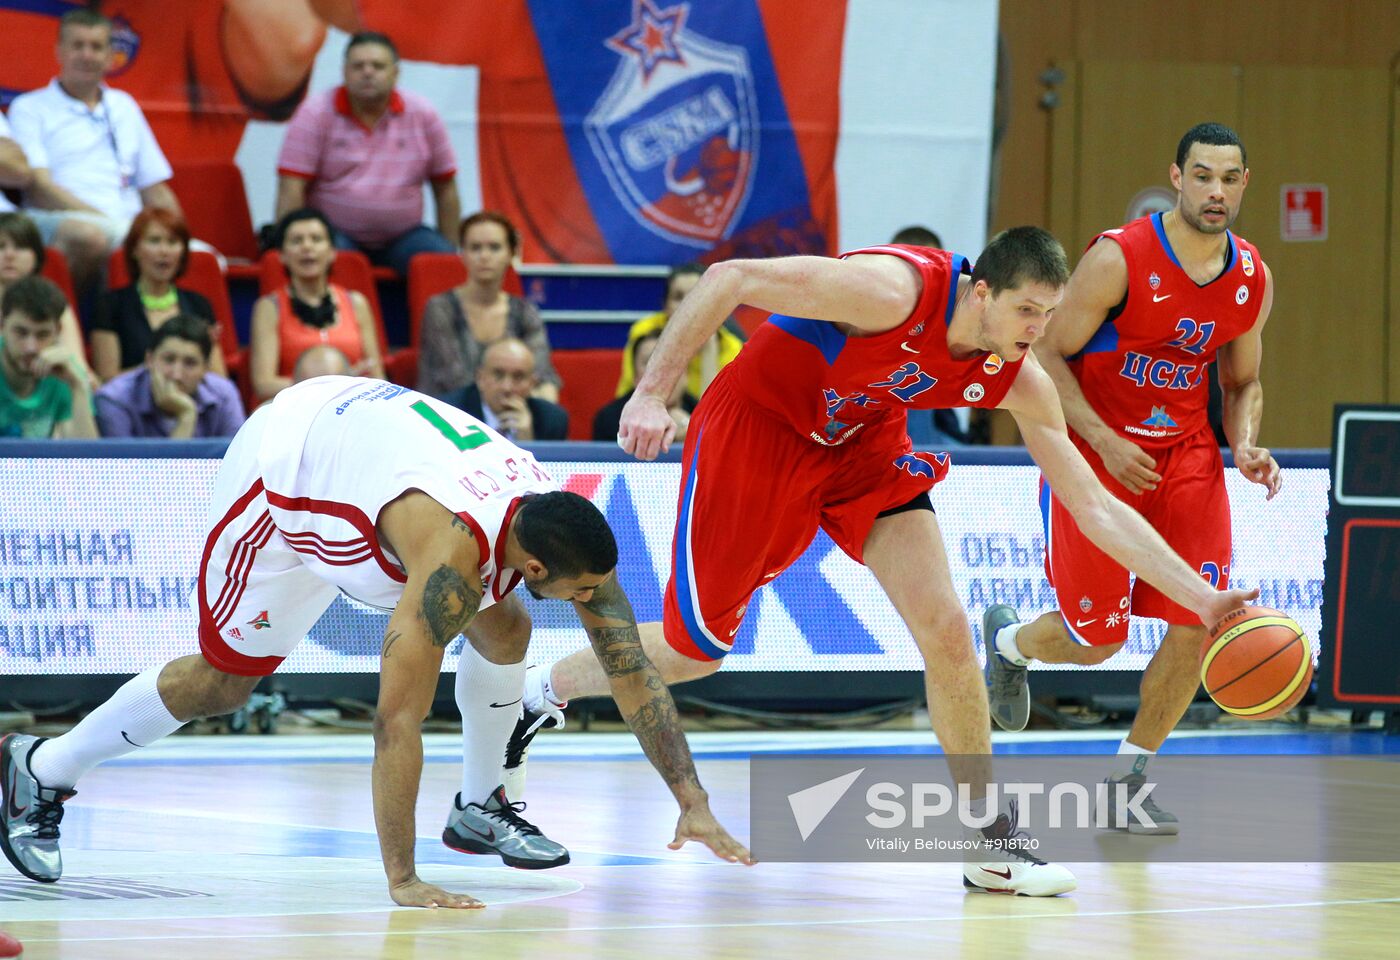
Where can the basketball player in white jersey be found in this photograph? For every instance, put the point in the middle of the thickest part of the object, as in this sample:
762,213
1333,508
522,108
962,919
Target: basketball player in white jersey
408,504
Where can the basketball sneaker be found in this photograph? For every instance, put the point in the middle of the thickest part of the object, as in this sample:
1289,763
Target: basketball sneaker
496,826
537,712
1159,822
1015,870
1008,694
29,812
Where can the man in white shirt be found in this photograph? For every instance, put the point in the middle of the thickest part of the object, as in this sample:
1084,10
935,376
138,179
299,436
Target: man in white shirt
95,163
14,166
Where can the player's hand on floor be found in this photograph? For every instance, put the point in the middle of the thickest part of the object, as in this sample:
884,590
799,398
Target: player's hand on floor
416,893
646,427
1129,464
700,825
1258,466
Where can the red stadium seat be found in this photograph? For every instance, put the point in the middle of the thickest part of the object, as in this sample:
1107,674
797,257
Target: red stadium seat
428,275
215,203
590,383
350,270
204,276
56,269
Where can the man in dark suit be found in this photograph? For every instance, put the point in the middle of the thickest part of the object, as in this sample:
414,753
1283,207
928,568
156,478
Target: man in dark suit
501,395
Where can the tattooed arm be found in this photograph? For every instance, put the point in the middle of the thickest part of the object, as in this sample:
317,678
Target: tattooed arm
440,598
647,707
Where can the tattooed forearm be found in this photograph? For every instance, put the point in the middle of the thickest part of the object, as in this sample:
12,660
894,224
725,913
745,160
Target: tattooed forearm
390,638
609,602
619,650
449,603
657,727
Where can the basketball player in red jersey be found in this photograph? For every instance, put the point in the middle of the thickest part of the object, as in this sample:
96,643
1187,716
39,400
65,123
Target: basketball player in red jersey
806,428
1150,306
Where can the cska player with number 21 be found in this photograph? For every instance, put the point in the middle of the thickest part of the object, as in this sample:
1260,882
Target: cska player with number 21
407,504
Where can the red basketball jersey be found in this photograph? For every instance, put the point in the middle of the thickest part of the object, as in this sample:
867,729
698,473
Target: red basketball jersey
829,385
1145,370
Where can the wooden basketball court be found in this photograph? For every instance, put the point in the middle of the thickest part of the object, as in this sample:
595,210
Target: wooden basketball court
264,847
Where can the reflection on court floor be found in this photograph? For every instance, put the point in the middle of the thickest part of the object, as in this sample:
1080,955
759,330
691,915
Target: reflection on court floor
252,847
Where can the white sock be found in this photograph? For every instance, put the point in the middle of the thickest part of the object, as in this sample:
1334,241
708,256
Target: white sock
486,728
134,717
1131,759
1005,642
538,689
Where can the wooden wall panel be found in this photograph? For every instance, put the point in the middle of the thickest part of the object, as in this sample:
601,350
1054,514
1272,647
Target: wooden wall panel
1326,338
1131,116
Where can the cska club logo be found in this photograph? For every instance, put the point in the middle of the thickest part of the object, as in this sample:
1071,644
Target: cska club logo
126,44
1153,280
1085,604
675,130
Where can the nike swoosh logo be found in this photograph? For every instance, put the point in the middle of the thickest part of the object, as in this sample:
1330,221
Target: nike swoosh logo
1157,299
511,704
1004,874
1081,624
489,836
131,741
905,346
15,810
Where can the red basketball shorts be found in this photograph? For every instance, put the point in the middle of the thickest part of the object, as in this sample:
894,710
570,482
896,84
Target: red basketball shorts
753,494
1189,509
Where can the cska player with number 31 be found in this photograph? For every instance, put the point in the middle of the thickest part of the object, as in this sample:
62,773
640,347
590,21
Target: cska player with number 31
410,505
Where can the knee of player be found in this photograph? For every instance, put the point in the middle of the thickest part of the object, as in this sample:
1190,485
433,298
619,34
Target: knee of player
942,634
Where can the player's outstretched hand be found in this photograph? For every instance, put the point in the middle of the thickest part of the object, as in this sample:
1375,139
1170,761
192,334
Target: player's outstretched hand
701,825
1224,601
646,428
416,893
1129,464
1258,466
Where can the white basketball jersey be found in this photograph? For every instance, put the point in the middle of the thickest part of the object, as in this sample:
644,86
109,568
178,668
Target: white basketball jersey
338,449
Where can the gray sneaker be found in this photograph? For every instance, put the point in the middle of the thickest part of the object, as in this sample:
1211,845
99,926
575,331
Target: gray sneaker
1007,692
497,827
29,813
1124,817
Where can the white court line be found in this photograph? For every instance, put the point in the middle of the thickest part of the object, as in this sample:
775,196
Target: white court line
858,921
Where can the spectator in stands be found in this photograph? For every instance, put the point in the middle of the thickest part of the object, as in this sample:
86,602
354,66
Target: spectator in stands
501,395
605,423
173,394
95,162
22,255
322,360
310,310
43,385
717,352
361,153
918,237
459,323
14,166
157,250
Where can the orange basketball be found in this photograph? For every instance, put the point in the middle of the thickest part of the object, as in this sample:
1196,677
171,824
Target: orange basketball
1256,663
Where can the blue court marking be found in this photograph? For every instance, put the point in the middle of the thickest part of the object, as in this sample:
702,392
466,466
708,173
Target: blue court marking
95,828
1281,743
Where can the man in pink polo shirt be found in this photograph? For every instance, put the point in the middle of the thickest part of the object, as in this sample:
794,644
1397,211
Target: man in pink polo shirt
360,154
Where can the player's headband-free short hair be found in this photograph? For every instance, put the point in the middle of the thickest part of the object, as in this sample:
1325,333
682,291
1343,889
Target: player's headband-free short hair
1212,135
1022,255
